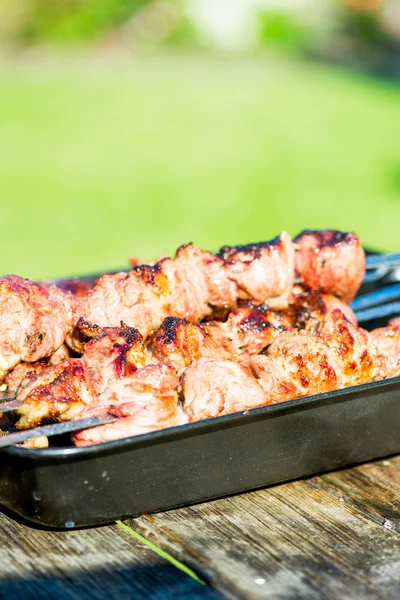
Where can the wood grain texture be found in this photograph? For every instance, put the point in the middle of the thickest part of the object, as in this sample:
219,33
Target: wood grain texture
334,536
95,564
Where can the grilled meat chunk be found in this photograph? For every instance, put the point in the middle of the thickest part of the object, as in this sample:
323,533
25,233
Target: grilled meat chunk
263,271
309,307
330,261
33,323
217,387
62,391
23,373
144,402
348,349
301,364
296,364
36,319
179,342
248,328
384,346
192,284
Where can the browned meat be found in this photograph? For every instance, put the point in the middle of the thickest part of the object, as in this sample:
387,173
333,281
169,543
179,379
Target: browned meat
113,354
248,328
262,271
61,354
253,327
296,364
217,387
310,307
145,401
347,345
330,261
179,342
36,319
23,373
33,322
193,284
77,287
62,391
384,346
301,364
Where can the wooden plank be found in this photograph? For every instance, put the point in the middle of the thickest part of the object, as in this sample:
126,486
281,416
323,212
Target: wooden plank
314,539
91,564
374,489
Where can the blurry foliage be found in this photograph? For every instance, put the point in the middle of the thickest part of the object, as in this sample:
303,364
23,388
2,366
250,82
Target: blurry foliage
361,33
281,28
55,21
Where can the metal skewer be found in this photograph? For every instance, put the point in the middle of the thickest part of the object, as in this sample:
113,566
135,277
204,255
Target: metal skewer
382,296
54,429
381,260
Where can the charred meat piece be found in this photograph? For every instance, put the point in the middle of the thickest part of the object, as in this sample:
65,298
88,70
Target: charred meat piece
249,328
58,392
36,319
23,373
217,387
145,401
296,364
33,322
384,346
300,364
330,261
179,342
77,287
192,284
62,391
263,271
310,307
348,347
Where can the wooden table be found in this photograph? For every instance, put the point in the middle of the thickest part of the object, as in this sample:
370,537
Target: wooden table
331,536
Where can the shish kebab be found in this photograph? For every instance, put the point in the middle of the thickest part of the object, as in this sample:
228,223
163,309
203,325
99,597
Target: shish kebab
329,250
36,320
328,354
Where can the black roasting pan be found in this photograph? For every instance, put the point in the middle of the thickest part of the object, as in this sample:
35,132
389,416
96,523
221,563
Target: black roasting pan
66,487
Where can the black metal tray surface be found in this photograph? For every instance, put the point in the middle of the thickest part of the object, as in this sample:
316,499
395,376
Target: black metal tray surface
67,487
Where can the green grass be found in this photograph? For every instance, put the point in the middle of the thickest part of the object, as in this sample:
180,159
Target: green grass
100,160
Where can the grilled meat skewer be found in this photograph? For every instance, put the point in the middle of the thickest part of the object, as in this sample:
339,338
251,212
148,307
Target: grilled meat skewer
62,391
35,319
296,364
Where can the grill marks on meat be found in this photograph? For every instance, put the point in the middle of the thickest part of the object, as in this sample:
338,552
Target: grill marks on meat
248,328
36,319
33,325
262,271
63,390
193,284
146,401
296,365
60,392
384,345
330,261
300,364
214,387
179,342
348,347
309,307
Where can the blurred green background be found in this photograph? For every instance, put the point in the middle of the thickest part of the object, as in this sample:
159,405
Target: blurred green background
130,127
